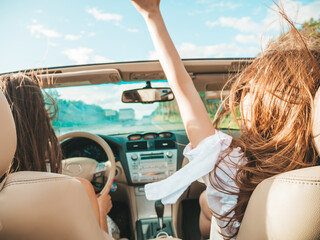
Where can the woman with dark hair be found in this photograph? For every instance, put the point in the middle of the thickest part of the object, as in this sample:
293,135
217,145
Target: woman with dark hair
33,126
38,148
274,96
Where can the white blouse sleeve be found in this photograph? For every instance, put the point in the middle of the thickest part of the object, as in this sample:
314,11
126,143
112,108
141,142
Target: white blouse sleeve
202,161
218,201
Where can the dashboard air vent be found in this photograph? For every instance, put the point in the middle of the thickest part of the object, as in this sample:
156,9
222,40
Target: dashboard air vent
164,144
135,146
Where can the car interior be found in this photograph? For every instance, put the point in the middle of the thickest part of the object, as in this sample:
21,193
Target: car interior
135,148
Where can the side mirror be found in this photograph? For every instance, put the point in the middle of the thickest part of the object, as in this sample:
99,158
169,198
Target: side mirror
147,95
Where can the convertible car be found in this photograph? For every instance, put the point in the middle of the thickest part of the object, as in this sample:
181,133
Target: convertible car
134,112
120,121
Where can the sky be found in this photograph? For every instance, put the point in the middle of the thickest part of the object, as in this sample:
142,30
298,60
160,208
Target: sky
43,33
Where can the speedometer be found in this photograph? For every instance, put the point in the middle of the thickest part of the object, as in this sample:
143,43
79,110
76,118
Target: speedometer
149,136
74,153
92,151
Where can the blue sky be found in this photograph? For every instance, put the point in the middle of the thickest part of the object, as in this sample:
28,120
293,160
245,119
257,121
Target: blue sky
43,33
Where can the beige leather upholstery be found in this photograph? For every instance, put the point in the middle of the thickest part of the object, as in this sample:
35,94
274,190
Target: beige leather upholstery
8,137
284,207
38,206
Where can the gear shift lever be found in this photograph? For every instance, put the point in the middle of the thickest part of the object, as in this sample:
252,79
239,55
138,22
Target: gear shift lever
159,210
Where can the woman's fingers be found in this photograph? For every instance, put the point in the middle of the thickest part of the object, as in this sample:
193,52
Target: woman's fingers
146,7
105,203
107,191
108,204
109,186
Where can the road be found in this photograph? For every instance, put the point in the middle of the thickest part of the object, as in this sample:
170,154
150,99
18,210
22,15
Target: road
116,127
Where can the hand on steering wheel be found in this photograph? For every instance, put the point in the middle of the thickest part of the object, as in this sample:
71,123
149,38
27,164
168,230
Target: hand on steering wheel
87,167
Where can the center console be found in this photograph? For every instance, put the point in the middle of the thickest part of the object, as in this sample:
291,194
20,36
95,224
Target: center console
154,219
151,166
151,157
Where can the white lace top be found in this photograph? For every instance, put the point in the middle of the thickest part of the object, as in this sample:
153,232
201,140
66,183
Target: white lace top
202,161
219,202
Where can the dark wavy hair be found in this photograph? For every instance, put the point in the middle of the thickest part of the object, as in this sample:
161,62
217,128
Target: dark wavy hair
276,130
38,148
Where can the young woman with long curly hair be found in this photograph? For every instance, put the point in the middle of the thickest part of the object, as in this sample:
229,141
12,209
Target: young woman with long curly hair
274,98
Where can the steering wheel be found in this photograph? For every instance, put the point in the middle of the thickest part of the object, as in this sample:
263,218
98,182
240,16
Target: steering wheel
87,167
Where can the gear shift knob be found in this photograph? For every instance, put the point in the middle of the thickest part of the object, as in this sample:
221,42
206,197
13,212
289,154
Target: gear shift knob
159,210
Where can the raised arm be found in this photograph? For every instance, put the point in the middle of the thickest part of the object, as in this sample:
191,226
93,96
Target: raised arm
193,112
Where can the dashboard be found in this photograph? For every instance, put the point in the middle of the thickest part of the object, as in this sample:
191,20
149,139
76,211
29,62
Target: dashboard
151,156
145,157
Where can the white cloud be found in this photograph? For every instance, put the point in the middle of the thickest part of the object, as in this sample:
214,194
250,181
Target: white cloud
115,18
272,24
190,50
52,44
79,55
212,6
246,38
100,59
72,37
257,10
133,30
92,34
39,29
38,11
84,55
244,24
301,13
99,15
295,10
204,1
223,4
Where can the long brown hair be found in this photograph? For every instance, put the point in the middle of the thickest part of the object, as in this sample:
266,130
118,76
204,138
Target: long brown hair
276,136
38,148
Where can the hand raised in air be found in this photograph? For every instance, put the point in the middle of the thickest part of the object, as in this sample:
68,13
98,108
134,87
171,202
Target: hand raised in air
146,7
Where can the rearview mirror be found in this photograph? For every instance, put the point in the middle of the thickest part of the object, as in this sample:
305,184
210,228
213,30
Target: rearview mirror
147,95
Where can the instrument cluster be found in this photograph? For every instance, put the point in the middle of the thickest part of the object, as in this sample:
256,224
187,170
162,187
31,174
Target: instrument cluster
84,148
149,136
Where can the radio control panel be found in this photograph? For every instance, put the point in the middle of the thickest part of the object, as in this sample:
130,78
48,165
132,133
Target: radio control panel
151,166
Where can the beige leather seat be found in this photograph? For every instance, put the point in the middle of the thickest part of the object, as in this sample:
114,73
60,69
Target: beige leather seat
37,205
286,206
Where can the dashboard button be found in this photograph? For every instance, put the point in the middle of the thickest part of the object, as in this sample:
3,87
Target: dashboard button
134,157
135,177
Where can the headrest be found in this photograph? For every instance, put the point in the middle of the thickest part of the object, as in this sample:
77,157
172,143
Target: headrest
316,121
8,136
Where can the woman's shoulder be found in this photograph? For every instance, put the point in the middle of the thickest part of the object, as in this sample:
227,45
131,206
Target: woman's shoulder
219,141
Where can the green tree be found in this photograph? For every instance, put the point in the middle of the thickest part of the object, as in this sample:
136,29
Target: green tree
312,26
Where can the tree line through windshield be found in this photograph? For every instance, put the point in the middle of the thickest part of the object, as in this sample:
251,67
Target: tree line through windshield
72,114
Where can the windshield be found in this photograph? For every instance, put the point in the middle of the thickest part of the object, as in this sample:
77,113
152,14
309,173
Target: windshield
98,109
46,33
